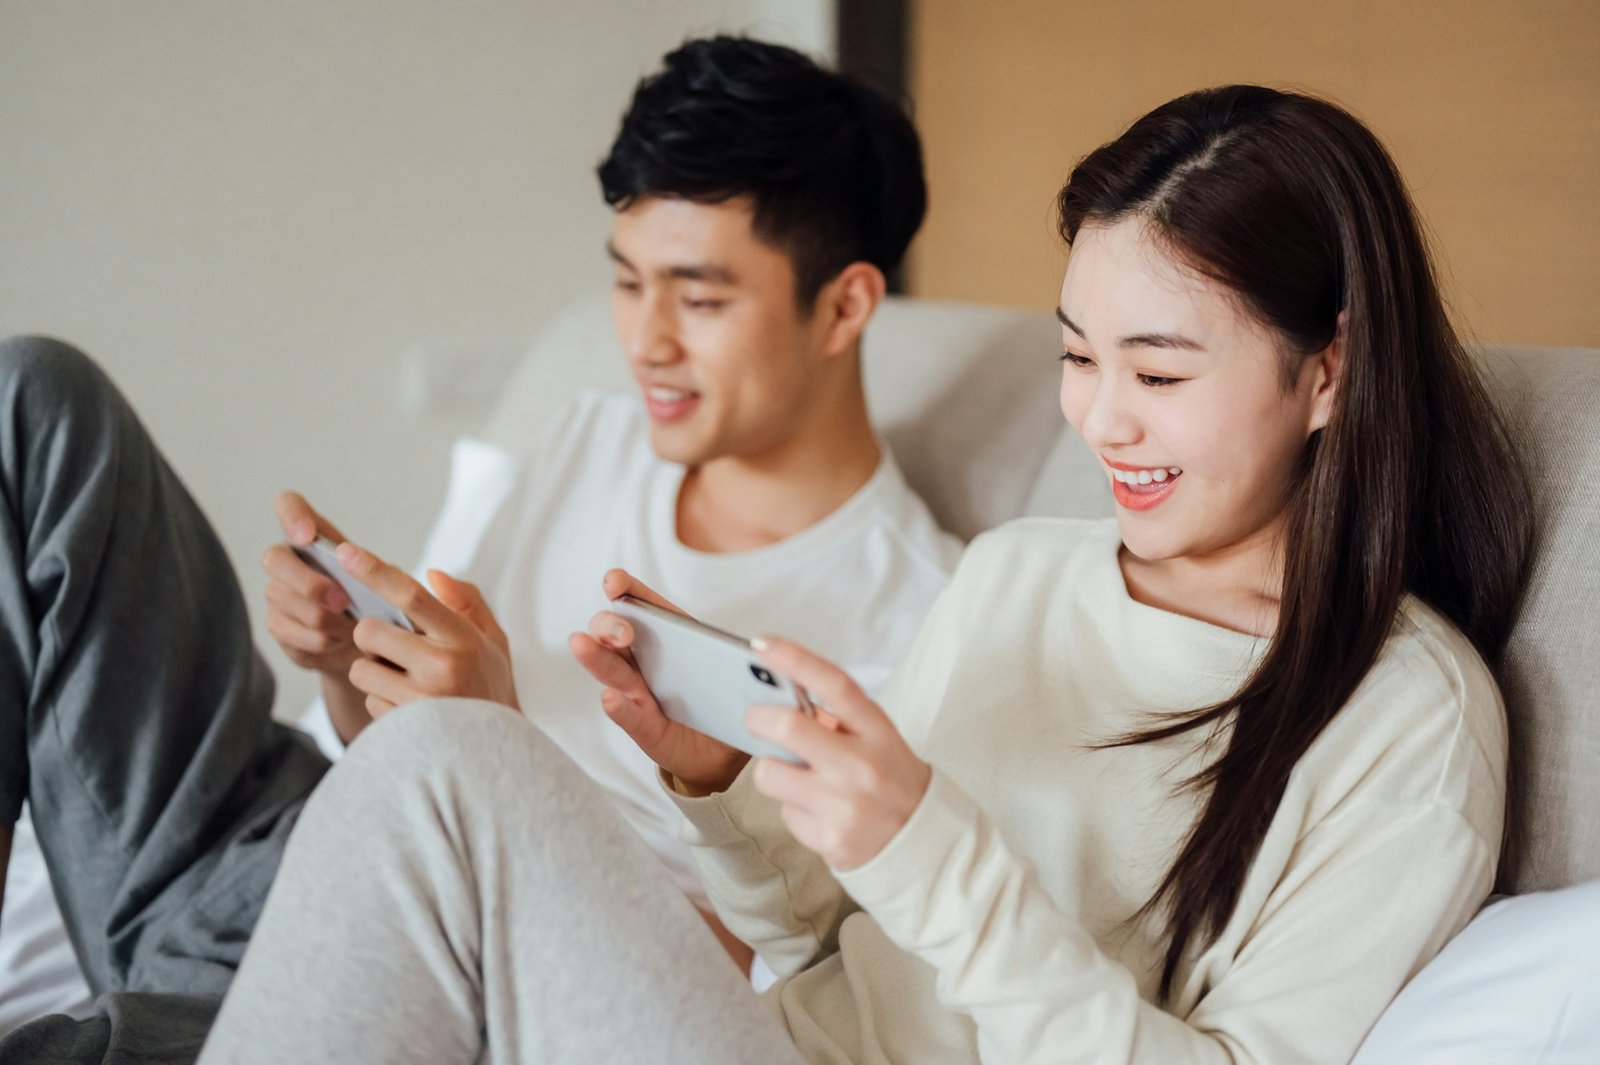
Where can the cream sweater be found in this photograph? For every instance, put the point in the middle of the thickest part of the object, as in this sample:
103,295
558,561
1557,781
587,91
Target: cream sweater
999,924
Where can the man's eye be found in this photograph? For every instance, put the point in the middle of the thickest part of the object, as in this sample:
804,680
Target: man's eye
705,306
1080,361
624,284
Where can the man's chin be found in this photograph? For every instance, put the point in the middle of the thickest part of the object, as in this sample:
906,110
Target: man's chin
673,444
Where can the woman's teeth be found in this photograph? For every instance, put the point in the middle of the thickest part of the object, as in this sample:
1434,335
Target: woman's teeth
667,395
1146,476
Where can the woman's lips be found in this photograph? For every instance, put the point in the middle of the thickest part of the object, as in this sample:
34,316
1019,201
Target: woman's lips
1143,496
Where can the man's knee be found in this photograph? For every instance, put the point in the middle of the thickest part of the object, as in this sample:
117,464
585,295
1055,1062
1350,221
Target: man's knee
465,738
50,375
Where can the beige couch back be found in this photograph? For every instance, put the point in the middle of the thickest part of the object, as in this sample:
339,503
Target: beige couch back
966,397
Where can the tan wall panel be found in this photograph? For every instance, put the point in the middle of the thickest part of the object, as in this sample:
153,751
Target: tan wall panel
1491,108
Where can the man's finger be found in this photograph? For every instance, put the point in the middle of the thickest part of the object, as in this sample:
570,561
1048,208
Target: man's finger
607,666
467,600
309,612
400,590
384,681
377,638
281,564
301,523
823,680
611,629
294,636
619,582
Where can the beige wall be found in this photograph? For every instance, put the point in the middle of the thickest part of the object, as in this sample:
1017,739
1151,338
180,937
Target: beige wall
1492,108
250,211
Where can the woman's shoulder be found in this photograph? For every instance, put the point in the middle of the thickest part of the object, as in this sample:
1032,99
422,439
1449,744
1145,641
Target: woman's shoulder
1425,726
1437,658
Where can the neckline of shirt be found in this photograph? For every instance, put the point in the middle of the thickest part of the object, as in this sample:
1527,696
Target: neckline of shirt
1174,639
667,482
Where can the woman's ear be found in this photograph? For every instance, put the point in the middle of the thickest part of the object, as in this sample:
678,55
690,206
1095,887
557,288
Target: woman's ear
1327,376
846,304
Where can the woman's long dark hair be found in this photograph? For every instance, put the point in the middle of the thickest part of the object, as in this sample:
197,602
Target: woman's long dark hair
1294,205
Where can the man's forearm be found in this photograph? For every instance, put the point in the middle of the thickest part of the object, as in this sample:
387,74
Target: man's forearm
347,708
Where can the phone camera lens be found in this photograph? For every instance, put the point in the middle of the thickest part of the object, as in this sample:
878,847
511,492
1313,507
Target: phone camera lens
763,675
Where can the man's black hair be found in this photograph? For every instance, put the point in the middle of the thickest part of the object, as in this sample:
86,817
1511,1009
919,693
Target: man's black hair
833,168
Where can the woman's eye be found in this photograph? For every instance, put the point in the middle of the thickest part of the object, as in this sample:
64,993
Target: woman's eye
1080,361
1158,382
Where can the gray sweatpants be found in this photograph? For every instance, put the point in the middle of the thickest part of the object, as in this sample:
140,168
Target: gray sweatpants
134,714
457,890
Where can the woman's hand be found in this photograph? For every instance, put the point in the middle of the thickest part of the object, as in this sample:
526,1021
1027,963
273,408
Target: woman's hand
701,764
860,784
458,649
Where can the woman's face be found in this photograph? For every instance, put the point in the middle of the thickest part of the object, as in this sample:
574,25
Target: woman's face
1182,396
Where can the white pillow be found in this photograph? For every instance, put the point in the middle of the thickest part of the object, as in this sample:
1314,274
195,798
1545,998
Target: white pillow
1519,986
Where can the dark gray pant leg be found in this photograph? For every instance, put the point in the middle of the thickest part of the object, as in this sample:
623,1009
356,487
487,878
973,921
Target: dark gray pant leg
134,710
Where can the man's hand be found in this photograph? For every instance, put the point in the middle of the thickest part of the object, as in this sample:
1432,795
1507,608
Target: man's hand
306,609
701,764
861,782
458,649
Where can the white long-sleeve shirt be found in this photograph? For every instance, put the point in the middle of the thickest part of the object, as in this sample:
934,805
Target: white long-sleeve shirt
1001,923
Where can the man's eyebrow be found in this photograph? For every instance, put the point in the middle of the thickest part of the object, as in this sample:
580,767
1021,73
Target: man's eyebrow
709,272
1141,340
712,272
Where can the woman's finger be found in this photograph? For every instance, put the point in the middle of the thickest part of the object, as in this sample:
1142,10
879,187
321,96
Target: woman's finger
803,736
785,782
824,681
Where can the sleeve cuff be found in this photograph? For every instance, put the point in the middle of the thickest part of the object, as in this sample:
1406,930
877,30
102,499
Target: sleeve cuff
909,862
718,819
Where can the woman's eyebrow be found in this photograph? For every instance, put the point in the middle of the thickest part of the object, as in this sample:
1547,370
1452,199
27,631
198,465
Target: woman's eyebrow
1140,340
1160,340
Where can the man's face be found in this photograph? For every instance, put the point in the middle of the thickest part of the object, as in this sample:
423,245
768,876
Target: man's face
706,313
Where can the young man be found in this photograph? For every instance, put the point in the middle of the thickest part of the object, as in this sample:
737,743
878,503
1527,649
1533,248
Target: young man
760,201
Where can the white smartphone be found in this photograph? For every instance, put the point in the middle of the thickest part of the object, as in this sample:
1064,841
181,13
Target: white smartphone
706,678
321,555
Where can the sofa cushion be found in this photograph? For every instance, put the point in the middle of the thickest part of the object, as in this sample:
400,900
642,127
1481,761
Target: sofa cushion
1551,398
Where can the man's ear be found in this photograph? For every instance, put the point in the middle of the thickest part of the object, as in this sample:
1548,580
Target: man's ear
1327,376
845,306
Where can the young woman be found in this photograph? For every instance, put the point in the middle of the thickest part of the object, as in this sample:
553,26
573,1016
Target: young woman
1203,784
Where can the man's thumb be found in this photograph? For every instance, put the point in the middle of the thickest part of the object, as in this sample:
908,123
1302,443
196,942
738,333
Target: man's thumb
464,598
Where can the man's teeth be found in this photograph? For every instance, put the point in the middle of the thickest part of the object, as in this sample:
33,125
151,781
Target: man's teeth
667,395
1146,476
